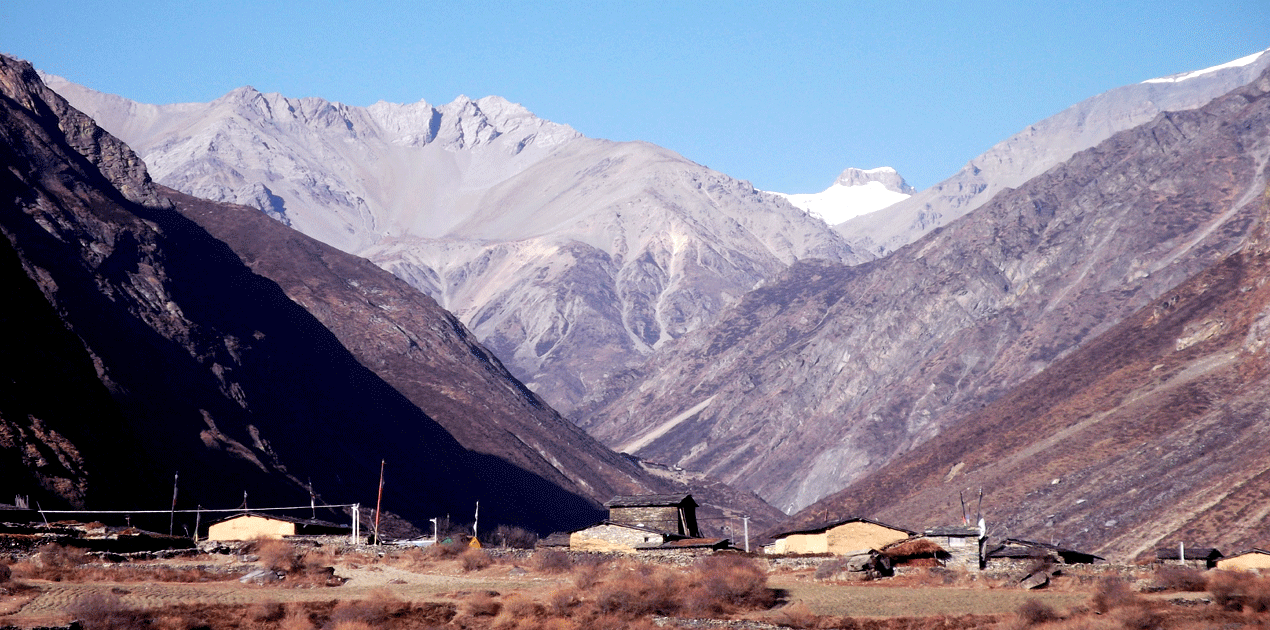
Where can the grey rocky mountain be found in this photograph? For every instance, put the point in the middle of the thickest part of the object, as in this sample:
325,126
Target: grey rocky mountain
571,258
888,177
1040,147
831,371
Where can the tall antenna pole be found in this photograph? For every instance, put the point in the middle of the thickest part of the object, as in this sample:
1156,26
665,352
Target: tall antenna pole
379,500
746,520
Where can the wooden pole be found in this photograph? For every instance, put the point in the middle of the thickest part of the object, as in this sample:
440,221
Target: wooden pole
172,516
379,501
198,520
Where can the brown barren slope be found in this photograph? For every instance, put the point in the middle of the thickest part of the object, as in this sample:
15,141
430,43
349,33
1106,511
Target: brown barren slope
1151,434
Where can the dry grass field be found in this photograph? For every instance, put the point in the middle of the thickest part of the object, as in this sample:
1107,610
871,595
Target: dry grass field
361,588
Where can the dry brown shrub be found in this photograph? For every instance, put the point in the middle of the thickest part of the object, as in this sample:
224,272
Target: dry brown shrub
795,615
475,560
1113,593
481,605
518,611
552,561
101,611
444,551
562,601
52,562
277,555
1237,590
727,584
1034,612
637,590
1178,578
266,612
515,537
296,620
586,576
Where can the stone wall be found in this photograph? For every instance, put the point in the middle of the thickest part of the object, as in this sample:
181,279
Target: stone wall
660,518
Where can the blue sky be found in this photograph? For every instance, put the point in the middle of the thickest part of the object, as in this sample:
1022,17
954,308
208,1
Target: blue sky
783,94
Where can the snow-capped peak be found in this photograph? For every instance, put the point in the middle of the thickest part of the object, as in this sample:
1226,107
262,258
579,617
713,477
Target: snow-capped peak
1238,63
856,192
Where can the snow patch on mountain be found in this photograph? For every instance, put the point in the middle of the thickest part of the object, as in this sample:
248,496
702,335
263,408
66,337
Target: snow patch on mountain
856,192
1238,63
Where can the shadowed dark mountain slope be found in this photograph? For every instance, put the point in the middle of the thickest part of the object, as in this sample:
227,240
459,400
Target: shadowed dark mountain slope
140,346
1151,434
427,354
828,373
423,352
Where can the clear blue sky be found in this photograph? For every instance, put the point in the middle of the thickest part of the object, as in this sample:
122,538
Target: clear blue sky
784,94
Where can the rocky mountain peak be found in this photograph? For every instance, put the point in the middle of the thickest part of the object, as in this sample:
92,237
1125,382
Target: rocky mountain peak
885,175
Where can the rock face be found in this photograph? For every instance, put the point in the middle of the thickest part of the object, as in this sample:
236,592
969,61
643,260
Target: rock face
1149,435
570,258
830,372
886,176
1040,147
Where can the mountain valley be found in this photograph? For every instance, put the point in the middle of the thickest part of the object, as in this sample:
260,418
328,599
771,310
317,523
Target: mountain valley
1075,321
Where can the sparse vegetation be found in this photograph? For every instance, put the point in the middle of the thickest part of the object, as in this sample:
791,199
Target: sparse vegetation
1034,612
475,560
1184,579
552,561
571,591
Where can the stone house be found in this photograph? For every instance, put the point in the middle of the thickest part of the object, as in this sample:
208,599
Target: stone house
250,526
1015,553
1196,557
618,537
669,513
963,544
1257,560
844,537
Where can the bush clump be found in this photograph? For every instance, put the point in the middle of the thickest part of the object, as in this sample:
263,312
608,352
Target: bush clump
1236,591
475,560
1177,578
1035,612
552,561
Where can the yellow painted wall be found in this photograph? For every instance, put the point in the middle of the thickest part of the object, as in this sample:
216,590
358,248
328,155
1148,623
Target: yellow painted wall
805,543
859,535
249,528
1245,562
843,539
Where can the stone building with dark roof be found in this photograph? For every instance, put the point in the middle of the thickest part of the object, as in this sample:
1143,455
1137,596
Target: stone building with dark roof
669,513
1196,557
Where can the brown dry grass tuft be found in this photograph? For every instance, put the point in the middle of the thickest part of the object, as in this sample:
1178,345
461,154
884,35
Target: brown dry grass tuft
475,560
1236,591
1035,612
1114,593
1184,579
552,561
